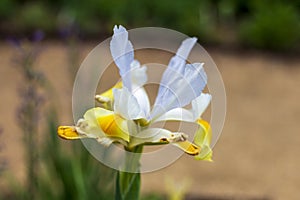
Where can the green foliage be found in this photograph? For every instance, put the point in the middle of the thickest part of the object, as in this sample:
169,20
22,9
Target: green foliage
207,22
6,8
71,173
34,16
273,26
153,197
253,22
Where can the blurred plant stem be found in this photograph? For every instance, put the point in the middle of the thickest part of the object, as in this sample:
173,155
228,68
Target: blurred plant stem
128,180
2,162
73,56
69,32
29,110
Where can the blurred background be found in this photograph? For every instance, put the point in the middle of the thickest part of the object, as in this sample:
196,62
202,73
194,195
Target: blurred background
255,44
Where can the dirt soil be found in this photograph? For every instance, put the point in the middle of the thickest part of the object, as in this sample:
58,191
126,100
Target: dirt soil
256,156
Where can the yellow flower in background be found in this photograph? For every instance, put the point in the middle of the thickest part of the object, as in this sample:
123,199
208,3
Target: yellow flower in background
125,115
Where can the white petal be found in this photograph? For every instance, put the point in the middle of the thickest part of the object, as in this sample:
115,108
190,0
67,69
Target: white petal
185,48
200,104
196,77
138,79
176,114
127,105
179,89
142,98
181,82
157,136
138,74
105,141
122,53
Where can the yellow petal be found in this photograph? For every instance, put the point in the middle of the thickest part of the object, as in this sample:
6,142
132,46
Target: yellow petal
203,140
205,154
188,147
68,132
106,98
109,93
203,134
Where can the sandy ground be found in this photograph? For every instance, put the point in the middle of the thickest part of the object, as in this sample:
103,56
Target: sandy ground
257,153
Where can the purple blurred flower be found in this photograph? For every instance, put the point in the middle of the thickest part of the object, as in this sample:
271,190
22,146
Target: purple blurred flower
37,36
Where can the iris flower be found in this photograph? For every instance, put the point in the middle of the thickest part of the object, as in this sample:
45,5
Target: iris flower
125,115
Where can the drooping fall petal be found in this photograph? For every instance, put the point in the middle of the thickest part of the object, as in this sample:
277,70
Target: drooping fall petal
203,140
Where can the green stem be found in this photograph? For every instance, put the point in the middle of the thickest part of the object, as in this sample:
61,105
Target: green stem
128,181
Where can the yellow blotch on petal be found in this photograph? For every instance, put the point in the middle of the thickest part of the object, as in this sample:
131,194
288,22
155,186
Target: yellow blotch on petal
114,126
68,133
188,147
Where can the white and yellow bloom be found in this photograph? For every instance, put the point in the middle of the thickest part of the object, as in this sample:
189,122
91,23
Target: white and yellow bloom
125,114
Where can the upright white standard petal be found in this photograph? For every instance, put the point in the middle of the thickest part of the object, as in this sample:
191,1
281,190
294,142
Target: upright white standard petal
181,82
142,98
122,52
185,48
138,74
196,76
138,79
126,105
